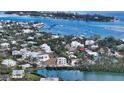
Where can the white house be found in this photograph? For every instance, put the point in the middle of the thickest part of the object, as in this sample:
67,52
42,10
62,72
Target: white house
72,56
27,31
34,54
55,36
31,42
92,53
43,57
24,45
74,62
94,46
16,53
62,61
30,38
13,42
8,62
76,44
38,56
24,66
46,48
26,54
4,45
89,42
23,51
17,74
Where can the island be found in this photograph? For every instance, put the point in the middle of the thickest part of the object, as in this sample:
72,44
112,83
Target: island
66,15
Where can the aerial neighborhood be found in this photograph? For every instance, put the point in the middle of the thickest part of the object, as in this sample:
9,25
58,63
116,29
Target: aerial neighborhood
24,49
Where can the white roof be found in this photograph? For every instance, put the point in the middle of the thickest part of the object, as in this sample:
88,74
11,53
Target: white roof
34,54
30,37
8,62
92,53
94,46
15,52
13,42
44,45
76,44
17,72
4,44
27,31
32,42
46,48
55,36
26,65
61,58
89,42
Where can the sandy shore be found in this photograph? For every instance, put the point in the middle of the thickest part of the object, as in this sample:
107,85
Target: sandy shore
112,27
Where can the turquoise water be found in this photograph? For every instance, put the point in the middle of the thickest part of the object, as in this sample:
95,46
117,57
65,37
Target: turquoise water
71,27
73,75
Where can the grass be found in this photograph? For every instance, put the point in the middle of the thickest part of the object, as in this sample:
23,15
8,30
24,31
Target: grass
32,77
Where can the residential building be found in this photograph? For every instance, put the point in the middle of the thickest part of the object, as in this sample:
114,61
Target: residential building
89,42
74,62
8,62
76,44
62,61
4,45
46,48
17,74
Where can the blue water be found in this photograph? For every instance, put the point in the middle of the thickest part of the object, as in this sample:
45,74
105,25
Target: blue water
71,27
71,75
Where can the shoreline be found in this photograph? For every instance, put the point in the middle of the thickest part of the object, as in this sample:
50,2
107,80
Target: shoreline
82,69
66,16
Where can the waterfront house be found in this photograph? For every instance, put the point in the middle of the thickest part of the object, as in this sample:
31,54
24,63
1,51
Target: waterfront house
18,74
8,62
62,61
74,62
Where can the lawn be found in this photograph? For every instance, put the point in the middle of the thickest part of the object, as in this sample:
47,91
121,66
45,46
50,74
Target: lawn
32,77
